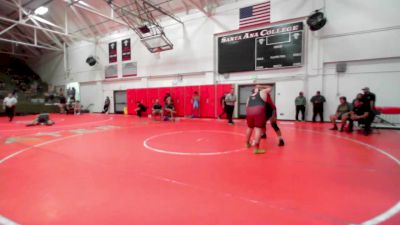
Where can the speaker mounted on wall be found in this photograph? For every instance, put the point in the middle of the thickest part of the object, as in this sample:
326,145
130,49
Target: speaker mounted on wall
341,67
316,20
91,61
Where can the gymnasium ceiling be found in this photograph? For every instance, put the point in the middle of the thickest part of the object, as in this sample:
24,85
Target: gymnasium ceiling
84,19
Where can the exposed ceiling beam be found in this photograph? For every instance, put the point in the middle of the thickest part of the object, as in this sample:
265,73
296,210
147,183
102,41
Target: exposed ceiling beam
24,36
23,5
39,27
17,54
82,20
163,11
8,28
100,14
44,29
31,16
29,44
136,14
186,6
9,4
34,51
50,35
40,19
199,7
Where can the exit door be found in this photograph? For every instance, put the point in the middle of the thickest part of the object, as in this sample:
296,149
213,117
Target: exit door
245,92
119,101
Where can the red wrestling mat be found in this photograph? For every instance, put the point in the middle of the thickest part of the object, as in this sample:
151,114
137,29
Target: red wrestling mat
108,169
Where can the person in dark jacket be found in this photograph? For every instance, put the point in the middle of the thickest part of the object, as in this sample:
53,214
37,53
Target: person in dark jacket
106,107
140,109
318,106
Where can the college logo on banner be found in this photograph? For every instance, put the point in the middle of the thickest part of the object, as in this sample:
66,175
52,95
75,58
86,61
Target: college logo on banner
126,49
112,52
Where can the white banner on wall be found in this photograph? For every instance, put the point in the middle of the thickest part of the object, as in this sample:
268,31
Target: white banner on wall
129,69
111,71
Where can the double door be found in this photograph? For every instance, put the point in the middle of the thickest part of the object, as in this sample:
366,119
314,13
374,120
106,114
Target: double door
244,93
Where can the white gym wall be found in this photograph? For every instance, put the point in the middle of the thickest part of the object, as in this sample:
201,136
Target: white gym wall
364,34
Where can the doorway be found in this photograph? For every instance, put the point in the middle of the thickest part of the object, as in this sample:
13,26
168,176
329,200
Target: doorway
244,93
119,101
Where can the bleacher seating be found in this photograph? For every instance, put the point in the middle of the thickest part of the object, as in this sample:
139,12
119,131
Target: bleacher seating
29,88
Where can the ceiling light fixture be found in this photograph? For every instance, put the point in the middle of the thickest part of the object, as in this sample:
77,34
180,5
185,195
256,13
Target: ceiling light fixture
41,10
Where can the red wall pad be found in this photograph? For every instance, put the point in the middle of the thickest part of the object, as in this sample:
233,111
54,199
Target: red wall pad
179,99
152,95
131,97
207,101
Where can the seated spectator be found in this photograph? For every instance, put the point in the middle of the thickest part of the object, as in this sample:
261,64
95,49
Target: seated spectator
346,116
77,108
42,118
70,109
157,109
362,113
51,97
169,110
359,97
140,109
343,108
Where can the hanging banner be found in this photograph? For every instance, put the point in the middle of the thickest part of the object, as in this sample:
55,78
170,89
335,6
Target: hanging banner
112,52
129,69
126,49
111,71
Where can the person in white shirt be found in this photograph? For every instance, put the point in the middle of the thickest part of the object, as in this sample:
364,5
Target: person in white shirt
9,104
230,100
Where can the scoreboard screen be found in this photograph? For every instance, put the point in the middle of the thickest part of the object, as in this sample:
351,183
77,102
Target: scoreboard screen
273,47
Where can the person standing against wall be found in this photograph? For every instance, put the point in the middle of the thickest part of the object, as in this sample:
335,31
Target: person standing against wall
300,103
167,98
196,104
9,104
222,102
63,103
369,98
106,107
318,106
230,101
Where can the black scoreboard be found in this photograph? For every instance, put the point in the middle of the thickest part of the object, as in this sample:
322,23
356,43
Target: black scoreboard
272,47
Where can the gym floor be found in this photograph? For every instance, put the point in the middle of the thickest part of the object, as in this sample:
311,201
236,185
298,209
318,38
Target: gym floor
115,169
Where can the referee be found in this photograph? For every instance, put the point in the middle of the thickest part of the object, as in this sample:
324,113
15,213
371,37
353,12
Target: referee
9,104
230,100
